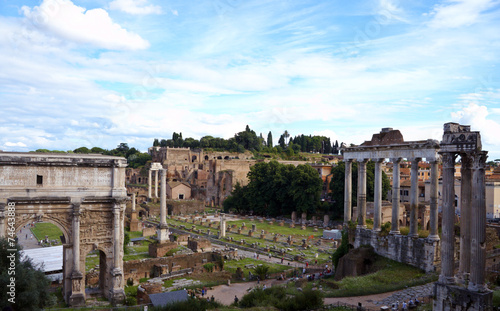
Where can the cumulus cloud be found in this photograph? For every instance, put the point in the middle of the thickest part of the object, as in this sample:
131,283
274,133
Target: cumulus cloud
477,117
459,13
135,7
68,21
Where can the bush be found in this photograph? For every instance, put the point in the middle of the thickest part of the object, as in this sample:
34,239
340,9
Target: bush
130,301
277,297
209,267
261,271
342,250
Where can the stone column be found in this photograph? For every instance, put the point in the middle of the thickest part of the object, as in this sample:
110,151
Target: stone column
348,191
77,297
149,184
395,196
377,196
222,226
116,235
414,199
156,183
448,222
433,213
117,294
478,225
163,227
465,218
362,193
133,202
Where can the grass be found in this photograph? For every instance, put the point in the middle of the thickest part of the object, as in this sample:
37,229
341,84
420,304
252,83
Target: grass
232,265
42,229
388,276
91,261
496,298
135,234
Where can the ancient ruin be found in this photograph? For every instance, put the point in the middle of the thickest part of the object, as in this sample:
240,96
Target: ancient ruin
83,195
466,291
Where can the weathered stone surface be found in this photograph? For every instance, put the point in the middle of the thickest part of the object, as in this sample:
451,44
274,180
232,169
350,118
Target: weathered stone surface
357,262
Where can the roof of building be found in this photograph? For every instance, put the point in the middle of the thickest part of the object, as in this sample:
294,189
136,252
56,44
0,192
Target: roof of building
50,257
173,184
163,299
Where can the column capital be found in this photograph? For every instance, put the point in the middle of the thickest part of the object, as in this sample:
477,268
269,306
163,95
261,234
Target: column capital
466,159
362,160
77,210
415,160
347,160
479,160
396,160
378,160
448,159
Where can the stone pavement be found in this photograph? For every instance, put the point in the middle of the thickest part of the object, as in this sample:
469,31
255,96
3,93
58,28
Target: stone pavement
26,240
405,295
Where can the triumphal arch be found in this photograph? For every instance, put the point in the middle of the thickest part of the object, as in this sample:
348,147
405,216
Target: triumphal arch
84,195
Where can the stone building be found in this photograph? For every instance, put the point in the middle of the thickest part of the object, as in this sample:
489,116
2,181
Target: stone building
83,195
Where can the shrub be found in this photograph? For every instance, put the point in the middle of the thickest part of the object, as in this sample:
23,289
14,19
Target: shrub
209,267
189,305
342,250
261,271
130,301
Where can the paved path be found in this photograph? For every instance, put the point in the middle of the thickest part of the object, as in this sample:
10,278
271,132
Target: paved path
29,242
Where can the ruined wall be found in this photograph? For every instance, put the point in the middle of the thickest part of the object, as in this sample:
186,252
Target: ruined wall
184,207
137,269
420,252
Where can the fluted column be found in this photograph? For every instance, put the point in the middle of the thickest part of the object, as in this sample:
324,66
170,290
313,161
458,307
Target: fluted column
465,217
478,224
414,199
377,196
76,238
395,196
116,236
348,191
433,226
163,227
156,183
448,223
149,184
362,193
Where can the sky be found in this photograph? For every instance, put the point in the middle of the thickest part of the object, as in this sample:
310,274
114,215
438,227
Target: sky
98,73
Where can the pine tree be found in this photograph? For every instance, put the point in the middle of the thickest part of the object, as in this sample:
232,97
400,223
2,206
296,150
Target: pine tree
270,140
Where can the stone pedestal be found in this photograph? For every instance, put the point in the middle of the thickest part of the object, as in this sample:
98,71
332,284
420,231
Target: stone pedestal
250,233
134,223
456,298
292,225
160,249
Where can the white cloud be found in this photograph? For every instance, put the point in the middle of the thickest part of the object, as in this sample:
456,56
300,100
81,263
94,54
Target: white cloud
477,117
459,13
18,144
135,7
68,21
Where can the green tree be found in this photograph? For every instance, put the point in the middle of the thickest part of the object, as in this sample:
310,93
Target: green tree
81,150
32,287
270,139
156,142
337,184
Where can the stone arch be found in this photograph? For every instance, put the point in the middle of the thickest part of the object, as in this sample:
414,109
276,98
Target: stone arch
57,222
194,158
104,284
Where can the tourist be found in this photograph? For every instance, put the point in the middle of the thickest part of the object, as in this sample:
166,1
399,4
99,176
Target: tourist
202,293
212,299
236,299
281,259
404,306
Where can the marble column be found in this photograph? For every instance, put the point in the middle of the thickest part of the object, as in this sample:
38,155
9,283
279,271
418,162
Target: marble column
377,196
348,191
116,293
116,236
133,202
77,297
163,227
478,224
448,220
149,184
2,220
362,193
465,218
222,226
156,183
433,215
414,199
395,196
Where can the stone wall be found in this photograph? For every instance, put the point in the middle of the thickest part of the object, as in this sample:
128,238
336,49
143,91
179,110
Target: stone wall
199,245
184,207
418,252
137,269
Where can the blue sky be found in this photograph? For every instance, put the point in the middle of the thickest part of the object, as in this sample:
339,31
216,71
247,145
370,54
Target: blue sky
97,73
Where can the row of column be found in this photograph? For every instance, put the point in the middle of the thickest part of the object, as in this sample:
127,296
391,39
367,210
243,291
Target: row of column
472,221
149,183
361,196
